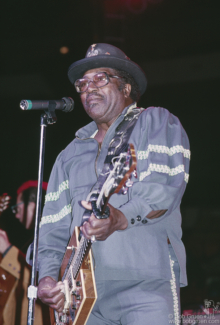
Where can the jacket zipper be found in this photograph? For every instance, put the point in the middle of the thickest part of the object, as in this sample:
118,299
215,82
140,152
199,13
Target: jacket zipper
97,156
99,150
100,147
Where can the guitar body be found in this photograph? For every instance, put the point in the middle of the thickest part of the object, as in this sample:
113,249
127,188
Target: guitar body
84,298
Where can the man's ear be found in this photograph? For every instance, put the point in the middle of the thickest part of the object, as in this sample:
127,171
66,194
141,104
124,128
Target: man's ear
30,214
127,90
32,206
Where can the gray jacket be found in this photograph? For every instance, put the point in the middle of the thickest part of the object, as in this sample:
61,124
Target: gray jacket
140,251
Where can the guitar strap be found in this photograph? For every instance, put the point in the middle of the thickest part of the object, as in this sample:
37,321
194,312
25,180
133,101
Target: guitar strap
118,144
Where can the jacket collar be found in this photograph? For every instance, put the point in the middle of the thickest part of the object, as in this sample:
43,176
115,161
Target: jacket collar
90,129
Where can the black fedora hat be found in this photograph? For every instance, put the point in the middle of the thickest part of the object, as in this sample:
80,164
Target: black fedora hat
103,55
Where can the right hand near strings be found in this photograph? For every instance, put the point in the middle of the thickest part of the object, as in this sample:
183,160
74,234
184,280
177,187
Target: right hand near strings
50,293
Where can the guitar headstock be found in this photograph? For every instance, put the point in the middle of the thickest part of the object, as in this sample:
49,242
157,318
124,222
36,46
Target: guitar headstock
119,178
4,202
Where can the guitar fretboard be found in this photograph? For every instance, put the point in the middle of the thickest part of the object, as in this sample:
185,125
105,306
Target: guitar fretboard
76,260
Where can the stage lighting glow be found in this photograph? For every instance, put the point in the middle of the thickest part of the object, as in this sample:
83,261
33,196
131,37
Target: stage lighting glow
64,50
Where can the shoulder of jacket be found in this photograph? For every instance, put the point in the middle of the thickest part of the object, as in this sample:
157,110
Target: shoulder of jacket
63,155
155,112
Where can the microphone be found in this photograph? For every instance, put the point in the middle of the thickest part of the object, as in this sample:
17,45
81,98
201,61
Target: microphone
65,104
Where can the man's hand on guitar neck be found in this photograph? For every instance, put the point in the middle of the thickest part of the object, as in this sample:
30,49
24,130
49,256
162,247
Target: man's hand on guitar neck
51,293
103,228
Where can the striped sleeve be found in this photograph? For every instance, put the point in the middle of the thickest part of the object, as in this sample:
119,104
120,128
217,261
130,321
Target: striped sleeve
163,155
55,223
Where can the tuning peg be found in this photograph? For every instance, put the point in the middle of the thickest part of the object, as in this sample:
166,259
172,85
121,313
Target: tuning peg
135,173
124,190
129,183
115,184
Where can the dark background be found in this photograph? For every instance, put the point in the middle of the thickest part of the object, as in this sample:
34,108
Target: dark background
177,45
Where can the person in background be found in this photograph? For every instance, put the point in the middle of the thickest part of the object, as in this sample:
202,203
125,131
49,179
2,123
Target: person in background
16,233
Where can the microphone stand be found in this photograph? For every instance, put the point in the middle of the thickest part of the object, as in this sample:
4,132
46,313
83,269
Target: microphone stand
49,117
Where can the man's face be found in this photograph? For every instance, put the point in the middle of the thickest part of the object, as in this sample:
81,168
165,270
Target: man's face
25,214
20,214
103,104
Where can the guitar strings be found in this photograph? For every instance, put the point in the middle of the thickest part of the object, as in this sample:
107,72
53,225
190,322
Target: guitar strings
77,260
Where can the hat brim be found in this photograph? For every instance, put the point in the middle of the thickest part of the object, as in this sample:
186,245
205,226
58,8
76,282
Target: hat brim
78,68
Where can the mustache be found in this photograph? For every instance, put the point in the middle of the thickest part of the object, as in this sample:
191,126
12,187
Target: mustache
94,95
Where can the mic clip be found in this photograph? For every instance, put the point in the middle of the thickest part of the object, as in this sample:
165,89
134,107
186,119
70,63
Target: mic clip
50,112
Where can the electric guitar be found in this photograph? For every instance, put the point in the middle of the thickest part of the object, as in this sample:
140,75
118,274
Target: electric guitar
77,267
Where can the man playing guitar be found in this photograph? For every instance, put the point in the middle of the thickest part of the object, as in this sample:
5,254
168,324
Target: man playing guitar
138,255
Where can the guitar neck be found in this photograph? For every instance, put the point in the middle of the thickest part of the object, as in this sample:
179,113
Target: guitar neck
76,258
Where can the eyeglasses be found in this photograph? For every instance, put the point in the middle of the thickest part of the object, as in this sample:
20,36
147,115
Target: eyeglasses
100,79
14,208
